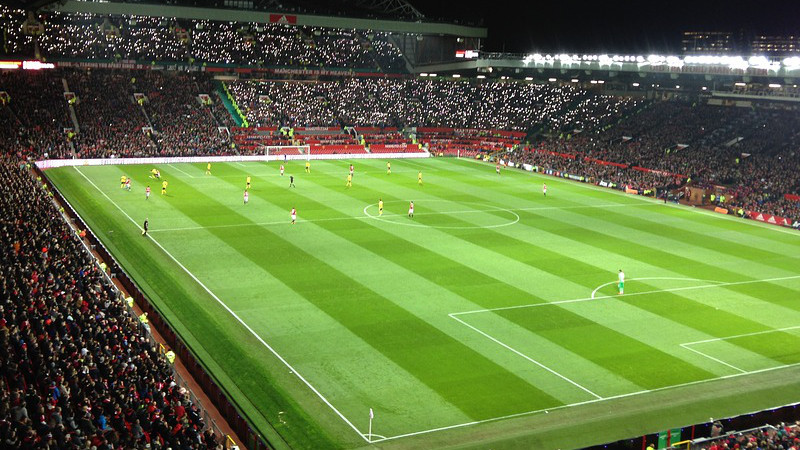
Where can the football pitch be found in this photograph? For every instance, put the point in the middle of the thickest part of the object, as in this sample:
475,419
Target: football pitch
490,319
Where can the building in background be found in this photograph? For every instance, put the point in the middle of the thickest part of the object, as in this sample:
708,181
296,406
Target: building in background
708,43
775,45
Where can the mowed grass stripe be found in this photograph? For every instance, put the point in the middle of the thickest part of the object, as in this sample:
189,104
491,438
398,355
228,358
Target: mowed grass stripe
338,363
231,353
459,279
648,220
416,259
673,305
622,243
320,211
716,225
702,315
430,409
700,321
456,372
675,370
653,248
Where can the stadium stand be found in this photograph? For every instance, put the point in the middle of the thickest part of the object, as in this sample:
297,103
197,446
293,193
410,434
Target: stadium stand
646,146
115,38
79,371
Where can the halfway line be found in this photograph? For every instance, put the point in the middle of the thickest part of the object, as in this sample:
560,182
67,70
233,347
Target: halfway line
471,211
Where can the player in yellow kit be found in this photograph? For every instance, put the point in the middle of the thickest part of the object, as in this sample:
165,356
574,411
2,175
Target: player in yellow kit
208,169
248,183
164,187
380,207
122,181
349,180
388,168
419,178
308,166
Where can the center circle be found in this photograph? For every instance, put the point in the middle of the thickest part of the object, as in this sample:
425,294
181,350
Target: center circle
482,209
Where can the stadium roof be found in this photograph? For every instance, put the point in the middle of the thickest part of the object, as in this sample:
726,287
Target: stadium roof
378,9
391,19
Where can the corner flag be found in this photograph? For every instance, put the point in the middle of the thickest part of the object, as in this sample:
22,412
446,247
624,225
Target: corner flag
371,416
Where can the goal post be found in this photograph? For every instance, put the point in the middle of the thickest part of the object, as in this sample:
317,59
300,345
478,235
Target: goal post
288,150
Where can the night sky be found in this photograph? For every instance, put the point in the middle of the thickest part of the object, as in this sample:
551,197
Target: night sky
613,26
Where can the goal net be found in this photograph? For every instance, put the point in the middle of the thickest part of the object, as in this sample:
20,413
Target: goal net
288,150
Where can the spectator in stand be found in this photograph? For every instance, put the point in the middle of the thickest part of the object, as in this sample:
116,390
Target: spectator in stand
76,370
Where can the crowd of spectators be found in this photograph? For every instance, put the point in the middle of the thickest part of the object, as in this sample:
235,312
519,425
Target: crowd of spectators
76,371
110,120
750,154
125,37
783,436
34,115
182,124
420,102
753,152
595,172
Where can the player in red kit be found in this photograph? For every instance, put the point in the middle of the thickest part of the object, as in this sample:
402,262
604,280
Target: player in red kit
293,214
147,193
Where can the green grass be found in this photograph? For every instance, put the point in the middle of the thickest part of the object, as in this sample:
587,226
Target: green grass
472,324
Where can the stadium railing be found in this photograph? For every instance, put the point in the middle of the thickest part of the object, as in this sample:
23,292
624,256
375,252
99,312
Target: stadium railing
760,420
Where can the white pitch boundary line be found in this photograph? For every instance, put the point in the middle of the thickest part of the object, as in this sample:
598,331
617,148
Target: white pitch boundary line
179,170
572,382
687,345
742,335
587,299
232,313
587,402
366,216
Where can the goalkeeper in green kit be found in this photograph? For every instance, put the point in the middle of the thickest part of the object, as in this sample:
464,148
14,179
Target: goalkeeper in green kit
621,284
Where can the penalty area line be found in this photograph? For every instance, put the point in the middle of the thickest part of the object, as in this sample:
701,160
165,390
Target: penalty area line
232,313
517,352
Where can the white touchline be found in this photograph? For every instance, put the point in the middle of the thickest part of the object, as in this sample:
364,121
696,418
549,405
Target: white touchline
588,299
587,402
232,313
527,357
